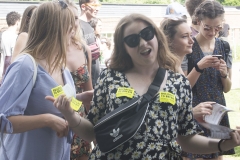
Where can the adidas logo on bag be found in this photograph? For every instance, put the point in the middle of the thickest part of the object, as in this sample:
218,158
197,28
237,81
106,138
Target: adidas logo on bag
115,132
115,135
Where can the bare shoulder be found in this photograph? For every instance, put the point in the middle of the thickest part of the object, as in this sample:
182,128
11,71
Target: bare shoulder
23,36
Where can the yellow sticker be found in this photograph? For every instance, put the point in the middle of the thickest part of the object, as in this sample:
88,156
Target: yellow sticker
167,97
75,104
127,92
57,91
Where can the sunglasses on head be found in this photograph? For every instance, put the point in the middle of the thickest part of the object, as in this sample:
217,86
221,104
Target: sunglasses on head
133,40
208,28
93,5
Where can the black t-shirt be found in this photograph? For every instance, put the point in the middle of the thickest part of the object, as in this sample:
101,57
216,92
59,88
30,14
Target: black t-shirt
88,32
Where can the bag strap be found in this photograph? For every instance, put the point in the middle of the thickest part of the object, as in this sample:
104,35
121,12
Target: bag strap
153,88
226,46
34,66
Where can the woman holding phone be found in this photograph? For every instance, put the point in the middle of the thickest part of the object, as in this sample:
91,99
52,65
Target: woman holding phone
211,77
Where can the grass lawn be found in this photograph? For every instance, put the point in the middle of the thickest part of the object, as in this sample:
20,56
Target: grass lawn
233,102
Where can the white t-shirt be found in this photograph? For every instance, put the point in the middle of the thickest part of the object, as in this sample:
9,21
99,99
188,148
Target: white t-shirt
8,42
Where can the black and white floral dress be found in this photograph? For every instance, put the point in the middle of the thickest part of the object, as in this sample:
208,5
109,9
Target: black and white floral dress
157,137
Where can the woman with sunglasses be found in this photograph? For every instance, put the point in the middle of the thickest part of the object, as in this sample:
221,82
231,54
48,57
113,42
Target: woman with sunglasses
23,31
140,48
209,77
35,128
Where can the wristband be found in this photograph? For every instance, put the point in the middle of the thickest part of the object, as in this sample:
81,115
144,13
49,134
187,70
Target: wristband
78,122
198,69
219,143
224,76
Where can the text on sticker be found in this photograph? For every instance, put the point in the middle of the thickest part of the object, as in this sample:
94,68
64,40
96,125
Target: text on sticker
75,104
125,92
167,97
57,91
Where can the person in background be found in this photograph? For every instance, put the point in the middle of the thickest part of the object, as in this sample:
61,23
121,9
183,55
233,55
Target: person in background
224,33
35,128
23,31
78,62
175,9
1,51
89,10
105,49
9,38
211,78
191,5
140,48
96,24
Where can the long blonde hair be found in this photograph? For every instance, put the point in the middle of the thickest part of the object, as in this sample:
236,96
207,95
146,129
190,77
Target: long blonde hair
48,33
121,61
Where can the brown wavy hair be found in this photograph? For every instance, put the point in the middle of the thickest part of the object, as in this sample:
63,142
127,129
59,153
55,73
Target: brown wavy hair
191,5
169,28
12,18
121,61
48,32
208,9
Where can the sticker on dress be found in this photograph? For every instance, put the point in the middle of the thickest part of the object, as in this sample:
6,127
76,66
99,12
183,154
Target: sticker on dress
125,92
69,92
167,97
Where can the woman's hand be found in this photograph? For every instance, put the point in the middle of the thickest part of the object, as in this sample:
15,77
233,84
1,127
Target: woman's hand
208,61
201,110
222,67
58,124
62,103
86,98
233,142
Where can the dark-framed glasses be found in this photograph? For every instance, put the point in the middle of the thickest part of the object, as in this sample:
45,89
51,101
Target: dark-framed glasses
133,40
208,28
63,4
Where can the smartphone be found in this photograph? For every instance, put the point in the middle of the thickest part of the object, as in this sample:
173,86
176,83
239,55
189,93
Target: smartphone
218,56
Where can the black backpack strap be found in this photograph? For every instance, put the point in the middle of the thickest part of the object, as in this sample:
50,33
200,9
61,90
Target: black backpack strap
226,46
155,85
153,88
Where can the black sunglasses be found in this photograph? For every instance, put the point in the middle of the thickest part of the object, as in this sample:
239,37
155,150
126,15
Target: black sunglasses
133,40
62,4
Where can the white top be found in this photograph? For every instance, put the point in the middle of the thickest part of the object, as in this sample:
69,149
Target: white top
8,42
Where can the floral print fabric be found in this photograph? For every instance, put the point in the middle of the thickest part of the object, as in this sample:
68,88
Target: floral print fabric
80,76
79,146
156,138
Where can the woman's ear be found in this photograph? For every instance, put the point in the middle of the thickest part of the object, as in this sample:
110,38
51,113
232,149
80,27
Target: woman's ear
83,7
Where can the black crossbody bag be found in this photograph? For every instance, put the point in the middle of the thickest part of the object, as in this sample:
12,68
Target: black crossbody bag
120,125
